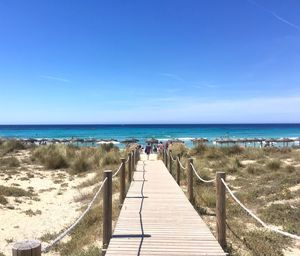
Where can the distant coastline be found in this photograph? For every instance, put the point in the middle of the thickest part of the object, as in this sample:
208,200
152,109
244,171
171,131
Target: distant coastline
163,132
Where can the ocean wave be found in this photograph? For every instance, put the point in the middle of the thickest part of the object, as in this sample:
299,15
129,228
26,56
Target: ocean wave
108,142
186,138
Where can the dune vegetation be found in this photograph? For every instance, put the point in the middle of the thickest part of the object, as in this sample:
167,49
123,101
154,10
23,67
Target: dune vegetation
266,180
70,174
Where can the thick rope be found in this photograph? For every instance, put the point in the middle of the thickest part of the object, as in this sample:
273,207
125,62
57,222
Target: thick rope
68,230
184,168
174,160
256,218
206,181
117,172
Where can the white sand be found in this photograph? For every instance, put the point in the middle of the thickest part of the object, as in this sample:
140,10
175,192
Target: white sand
56,203
245,162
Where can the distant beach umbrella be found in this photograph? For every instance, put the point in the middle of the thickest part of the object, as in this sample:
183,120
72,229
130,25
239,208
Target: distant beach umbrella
129,141
173,141
199,140
152,141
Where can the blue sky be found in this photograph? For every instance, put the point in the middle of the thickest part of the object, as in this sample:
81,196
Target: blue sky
149,61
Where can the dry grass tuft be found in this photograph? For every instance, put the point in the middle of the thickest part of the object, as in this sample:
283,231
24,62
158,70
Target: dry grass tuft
264,186
3,200
13,191
274,164
9,146
10,162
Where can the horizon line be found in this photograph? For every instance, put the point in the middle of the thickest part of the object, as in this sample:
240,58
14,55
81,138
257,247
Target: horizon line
123,124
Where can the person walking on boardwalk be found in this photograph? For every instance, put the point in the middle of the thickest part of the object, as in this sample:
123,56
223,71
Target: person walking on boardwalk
148,150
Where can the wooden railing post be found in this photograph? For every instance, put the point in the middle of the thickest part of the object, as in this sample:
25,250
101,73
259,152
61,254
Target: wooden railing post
170,161
221,209
107,210
27,247
178,170
132,161
129,168
190,180
122,181
136,156
167,159
163,155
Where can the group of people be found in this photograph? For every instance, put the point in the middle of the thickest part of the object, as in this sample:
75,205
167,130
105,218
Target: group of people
155,149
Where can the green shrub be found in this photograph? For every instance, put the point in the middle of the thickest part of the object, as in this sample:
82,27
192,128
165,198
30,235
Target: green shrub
283,215
51,156
91,251
232,168
80,164
3,200
55,161
10,146
254,169
290,168
263,243
10,162
213,153
13,191
178,148
274,164
233,150
106,147
199,149
206,195
110,158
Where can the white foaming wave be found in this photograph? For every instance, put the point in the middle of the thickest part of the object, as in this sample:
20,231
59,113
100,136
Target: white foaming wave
186,138
163,139
108,142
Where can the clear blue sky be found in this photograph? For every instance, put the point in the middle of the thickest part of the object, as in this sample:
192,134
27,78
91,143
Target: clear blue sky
149,61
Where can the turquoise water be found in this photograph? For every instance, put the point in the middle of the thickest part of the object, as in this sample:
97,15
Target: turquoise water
142,132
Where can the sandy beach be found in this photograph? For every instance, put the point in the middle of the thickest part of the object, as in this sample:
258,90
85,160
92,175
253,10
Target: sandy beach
52,207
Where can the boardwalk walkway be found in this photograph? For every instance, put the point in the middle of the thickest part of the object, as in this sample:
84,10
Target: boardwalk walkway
157,219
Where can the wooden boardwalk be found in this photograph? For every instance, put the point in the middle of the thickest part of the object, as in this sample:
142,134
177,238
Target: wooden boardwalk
157,218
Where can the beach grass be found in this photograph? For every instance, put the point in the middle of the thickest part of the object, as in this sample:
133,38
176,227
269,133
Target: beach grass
76,159
9,146
266,180
60,164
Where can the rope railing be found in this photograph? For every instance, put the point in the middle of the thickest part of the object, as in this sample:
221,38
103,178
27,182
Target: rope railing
203,180
27,247
257,218
117,171
174,160
69,229
127,160
181,165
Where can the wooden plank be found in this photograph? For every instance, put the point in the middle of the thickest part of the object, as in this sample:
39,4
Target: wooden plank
157,219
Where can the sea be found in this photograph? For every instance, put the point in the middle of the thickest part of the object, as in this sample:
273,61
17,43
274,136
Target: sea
142,132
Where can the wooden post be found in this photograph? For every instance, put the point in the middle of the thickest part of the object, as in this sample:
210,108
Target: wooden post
107,210
132,161
178,170
163,155
190,180
170,161
129,168
167,159
221,209
122,181
135,156
27,248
